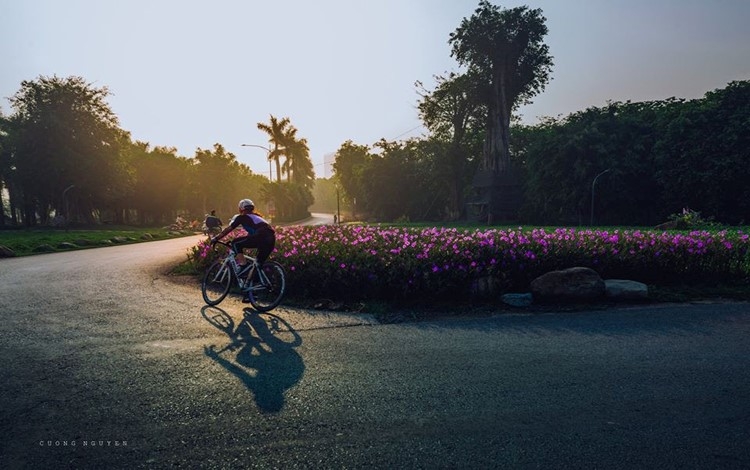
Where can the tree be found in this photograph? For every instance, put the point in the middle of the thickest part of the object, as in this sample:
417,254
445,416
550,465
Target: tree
161,183
561,158
453,115
65,135
704,155
297,165
398,183
349,166
222,181
5,165
503,49
277,131
325,195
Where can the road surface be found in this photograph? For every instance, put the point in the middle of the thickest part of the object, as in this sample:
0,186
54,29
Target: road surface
108,362
318,218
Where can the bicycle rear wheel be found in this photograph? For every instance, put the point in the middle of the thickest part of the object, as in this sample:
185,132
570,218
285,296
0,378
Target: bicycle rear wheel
216,283
266,295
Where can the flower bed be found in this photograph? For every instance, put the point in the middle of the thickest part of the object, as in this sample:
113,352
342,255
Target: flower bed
367,262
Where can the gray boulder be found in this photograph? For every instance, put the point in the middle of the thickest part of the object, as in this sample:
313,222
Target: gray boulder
517,300
622,289
573,284
44,248
485,287
6,252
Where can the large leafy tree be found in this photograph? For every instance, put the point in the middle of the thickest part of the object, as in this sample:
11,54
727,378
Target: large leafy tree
704,154
454,117
399,183
504,49
349,166
221,180
663,156
161,183
65,136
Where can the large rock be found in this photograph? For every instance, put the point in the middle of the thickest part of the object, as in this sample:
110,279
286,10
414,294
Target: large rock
577,283
622,289
6,252
517,300
43,248
485,287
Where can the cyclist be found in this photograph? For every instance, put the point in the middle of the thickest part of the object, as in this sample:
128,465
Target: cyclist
260,235
212,223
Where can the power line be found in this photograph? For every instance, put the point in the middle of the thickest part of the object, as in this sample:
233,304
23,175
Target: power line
404,133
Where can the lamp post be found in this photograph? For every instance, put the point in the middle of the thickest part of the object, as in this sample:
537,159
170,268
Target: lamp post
65,203
270,177
338,207
593,187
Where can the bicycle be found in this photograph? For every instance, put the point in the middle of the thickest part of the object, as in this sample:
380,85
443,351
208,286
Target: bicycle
265,287
211,231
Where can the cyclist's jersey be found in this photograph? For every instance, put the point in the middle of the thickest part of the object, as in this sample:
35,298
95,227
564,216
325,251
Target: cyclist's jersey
252,223
212,221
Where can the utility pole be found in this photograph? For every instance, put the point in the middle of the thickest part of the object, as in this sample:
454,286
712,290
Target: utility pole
593,187
338,207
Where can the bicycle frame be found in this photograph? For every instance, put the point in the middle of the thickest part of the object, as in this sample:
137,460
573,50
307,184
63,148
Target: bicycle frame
230,261
264,287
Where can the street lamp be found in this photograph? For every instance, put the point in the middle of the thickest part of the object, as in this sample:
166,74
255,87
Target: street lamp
66,207
593,187
338,206
270,177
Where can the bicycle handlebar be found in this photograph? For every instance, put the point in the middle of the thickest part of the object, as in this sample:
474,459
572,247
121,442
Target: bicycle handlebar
228,245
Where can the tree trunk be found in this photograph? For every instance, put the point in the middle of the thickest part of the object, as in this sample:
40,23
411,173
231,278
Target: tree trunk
496,185
2,206
497,143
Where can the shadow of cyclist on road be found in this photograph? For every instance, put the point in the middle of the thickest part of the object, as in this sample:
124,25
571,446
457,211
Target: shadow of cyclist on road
266,362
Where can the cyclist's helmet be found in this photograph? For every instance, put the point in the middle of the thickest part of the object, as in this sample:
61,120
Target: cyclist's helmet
246,204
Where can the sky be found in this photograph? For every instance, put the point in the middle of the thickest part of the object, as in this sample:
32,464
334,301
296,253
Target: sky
189,74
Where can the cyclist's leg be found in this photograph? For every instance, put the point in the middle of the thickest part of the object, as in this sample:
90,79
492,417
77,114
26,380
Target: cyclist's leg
239,244
266,244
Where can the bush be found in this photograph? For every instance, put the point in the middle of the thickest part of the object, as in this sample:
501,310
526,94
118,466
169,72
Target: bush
393,264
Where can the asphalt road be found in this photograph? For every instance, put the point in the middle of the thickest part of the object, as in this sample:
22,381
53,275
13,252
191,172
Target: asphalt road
107,362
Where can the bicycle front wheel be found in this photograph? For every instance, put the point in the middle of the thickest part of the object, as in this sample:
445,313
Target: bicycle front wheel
216,283
266,294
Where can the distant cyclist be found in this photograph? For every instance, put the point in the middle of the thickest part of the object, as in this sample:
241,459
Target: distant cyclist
212,223
260,235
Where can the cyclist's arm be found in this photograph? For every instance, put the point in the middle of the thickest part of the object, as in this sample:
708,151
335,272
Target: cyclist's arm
233,224
222,234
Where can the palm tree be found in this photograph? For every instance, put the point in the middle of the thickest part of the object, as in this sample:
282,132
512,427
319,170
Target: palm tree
276,130
301,167
290,143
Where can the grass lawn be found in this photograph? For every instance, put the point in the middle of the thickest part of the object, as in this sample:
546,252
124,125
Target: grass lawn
26,242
